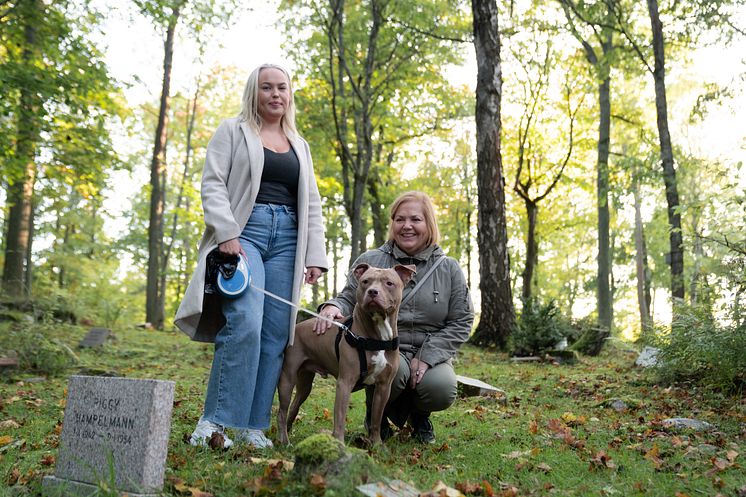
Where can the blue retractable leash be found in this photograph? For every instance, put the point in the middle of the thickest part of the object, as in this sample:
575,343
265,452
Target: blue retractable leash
232,284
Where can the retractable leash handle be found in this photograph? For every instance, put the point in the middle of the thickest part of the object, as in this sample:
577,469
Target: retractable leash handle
235,285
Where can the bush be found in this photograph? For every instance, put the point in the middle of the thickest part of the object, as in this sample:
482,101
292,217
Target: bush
696,349
540,328
37,350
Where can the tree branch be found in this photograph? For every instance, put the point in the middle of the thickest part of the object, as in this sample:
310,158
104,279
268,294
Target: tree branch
613,7
430,34
737,247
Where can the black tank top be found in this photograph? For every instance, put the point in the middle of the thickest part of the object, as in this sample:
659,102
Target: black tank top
279,178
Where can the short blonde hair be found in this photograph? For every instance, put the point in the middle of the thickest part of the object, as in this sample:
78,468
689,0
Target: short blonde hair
250,102
427,210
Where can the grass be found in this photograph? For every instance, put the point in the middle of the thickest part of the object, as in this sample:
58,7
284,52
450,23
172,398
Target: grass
556,434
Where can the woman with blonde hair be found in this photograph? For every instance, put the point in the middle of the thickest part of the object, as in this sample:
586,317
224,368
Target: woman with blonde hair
435,316
261,201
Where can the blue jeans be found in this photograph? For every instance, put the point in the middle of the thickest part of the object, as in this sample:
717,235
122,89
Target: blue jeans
250,347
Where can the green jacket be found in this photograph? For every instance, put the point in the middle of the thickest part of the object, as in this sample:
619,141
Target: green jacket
440,315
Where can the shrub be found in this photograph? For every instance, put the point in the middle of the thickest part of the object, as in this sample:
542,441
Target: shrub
696,349
37,350
540,328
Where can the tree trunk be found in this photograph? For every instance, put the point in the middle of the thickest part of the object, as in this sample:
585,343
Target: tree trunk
185,178
377,211
669,171
602,66
466,180
604,302
695,285
532,250
154,311
356,162
641,266
497,313
21,189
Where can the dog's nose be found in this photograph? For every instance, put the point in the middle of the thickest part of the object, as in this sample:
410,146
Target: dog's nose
373,292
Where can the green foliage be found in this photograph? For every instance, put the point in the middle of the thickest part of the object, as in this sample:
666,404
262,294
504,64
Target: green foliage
697,349
365,98
540,327
38,350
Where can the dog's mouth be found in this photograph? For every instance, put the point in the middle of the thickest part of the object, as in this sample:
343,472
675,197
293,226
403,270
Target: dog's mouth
375,304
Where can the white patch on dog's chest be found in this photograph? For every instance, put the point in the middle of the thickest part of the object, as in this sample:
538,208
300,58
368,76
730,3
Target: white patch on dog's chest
378,361
384,328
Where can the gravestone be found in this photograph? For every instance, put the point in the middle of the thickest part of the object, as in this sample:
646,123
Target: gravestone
471,387
95,337
9,362
115,431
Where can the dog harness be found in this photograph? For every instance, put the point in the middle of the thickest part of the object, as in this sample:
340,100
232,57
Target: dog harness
361,344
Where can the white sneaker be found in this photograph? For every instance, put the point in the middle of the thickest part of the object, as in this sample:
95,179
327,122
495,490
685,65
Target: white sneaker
203,432
257,438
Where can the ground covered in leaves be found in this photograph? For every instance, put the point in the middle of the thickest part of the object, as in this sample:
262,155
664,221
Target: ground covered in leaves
594,428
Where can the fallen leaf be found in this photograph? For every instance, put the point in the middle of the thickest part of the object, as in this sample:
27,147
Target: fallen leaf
273,472
517,454
47,460
601,460
570,418
287,465
318,483
469,488
442,490
196,492
652,456
443,448
488,490
731,455
533,427
414,456
13,476
509,491
542,466
180,486
217,440
9,424
720,464
5,440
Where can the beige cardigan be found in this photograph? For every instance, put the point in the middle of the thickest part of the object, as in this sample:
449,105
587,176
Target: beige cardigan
230,183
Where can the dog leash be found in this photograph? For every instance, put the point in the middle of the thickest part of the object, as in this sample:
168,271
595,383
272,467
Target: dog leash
280,299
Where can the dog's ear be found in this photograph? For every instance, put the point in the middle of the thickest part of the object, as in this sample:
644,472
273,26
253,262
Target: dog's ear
405,272
360,269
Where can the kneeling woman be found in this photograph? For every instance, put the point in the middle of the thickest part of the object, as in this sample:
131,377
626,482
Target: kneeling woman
435,317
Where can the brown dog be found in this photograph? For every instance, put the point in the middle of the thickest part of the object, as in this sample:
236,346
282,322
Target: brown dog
372,338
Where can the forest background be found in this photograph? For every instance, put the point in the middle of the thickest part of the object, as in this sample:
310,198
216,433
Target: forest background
107,108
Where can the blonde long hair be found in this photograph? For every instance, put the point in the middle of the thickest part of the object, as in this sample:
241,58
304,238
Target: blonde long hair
250,102
427,210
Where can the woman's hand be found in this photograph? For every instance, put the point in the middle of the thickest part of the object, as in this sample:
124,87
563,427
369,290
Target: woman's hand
417,370
313,274
231,247
329,312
